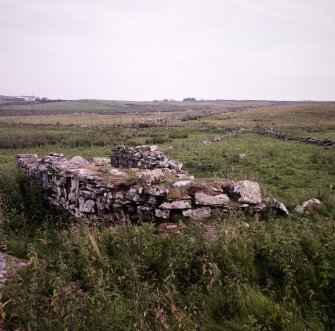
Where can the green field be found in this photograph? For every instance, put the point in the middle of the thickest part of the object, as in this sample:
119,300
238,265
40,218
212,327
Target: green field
232,272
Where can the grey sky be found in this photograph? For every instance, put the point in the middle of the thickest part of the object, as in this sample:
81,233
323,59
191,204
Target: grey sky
154,49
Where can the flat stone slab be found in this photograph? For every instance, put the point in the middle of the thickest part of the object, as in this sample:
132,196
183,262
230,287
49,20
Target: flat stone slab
204,199
246,191
179,204
198,214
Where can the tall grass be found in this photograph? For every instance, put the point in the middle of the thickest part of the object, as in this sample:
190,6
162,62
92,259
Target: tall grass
275,274
130,278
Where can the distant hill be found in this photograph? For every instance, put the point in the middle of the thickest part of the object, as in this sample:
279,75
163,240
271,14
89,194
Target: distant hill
13,101
7,98
113,107
10,106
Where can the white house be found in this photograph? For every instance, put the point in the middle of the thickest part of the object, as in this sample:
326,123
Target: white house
30,98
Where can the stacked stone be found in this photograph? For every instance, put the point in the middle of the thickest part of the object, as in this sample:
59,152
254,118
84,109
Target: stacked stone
328,143
142,157
224,136
89,188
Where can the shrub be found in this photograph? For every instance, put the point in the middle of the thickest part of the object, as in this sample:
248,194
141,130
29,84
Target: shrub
158,140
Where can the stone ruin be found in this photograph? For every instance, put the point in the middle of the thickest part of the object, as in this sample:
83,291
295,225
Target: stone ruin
143,157
137,184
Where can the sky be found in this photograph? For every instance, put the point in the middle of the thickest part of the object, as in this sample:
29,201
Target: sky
156,49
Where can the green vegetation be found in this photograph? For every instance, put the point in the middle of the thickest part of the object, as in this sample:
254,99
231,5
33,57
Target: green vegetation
237,272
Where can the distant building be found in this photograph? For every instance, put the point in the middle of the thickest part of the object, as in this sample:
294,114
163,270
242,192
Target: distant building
30,98
189,99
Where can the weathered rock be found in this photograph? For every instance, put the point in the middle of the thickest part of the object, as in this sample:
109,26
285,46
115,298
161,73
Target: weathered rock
87,173
198,214
178,193
78,160
156,190
246,191
103,203
160,213
153,201
135,194
100,161
276,205
151,176
308,206
86,206
242,156
145,208
116,172
184,175
204,199
9,265
183,183
179,204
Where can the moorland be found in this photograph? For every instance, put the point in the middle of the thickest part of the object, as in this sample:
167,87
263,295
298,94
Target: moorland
251,272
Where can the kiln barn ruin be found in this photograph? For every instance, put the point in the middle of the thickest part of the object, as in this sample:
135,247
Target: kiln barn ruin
138,183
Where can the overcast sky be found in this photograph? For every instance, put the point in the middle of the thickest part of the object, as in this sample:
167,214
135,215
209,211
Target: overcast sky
154,49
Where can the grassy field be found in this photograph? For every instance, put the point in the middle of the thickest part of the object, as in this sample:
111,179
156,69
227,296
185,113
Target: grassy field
254,273
85,119
114,107
302,115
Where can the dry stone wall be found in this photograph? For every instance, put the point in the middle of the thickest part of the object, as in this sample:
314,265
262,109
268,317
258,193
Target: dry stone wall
142,157
224,136
88,189
327,143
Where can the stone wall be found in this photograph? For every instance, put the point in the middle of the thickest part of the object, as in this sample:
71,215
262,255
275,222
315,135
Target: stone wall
96,188
224,136
327,143
142,157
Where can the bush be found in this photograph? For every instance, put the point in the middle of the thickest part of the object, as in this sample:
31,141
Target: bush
158,140
178,135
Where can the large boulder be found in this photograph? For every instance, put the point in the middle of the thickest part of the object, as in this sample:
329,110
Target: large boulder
246,191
